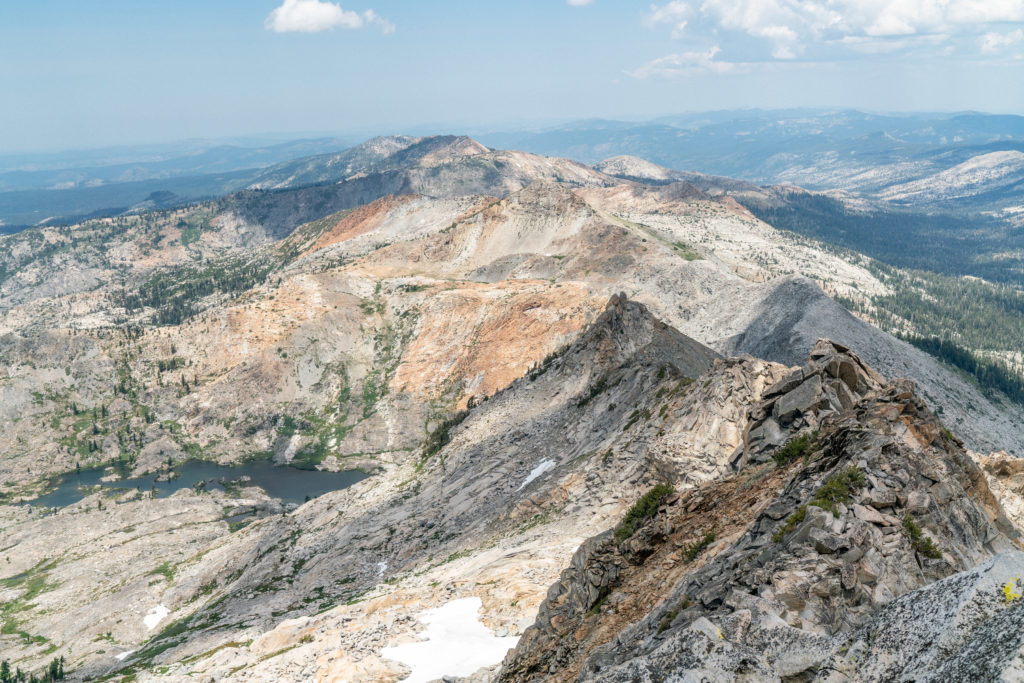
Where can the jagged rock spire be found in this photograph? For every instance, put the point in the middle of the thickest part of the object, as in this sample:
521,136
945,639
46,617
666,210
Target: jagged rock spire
833,380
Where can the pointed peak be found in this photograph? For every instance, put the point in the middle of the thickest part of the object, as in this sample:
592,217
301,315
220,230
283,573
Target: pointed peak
439,149
632,330
617,302
627,166
383,146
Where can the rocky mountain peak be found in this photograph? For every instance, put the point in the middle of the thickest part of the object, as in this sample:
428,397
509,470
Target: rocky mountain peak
626,328
546,199
626,166
383,146
617,302
680,191
879,502
833,380
438,149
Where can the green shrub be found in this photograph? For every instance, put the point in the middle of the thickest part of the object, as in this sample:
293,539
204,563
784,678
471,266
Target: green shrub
539,370
165,569
595,389
795,449
288,426
836,489
682,384
601,598
670,616
642,510
691,551
790,523
441,435
922,544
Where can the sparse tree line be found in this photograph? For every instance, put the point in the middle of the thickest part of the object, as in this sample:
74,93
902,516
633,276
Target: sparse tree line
54,672
991,375
174,294
953,319
957,244
973,313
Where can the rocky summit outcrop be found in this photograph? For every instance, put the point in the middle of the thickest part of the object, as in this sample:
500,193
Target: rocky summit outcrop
872,501
834,380
794,313
969,626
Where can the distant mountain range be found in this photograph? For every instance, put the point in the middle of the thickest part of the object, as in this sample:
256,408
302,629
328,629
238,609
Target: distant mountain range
948,162
772,147
966,164
71,185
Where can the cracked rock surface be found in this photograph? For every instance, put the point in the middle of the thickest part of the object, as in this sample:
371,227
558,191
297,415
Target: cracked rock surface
815,582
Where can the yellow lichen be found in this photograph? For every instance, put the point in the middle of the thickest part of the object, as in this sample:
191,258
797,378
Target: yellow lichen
1008,590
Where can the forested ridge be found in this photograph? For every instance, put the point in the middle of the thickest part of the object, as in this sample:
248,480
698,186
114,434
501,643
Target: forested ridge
174,294
959,320
945,243
991,375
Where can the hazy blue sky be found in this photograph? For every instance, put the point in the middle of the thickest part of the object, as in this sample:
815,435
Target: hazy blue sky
82,74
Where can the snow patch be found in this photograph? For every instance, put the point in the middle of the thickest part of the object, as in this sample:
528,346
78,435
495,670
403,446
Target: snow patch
155,616
121,657
540,469
381,568
457,643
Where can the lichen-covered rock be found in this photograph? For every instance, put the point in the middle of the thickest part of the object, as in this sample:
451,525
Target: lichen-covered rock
958,629
964,627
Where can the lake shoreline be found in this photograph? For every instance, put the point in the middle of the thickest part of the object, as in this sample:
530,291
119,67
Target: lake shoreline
290,485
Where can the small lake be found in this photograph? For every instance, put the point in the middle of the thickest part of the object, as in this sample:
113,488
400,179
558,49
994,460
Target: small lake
287,484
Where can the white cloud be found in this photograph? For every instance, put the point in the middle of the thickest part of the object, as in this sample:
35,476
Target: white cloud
578,3
877,45
791,27
987,11
674,13
783,52
683,64
380,22
996,42
311,16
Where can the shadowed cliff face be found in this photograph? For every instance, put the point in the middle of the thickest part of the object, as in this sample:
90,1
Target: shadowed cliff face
807,555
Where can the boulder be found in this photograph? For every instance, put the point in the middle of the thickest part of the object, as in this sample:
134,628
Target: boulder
799,400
